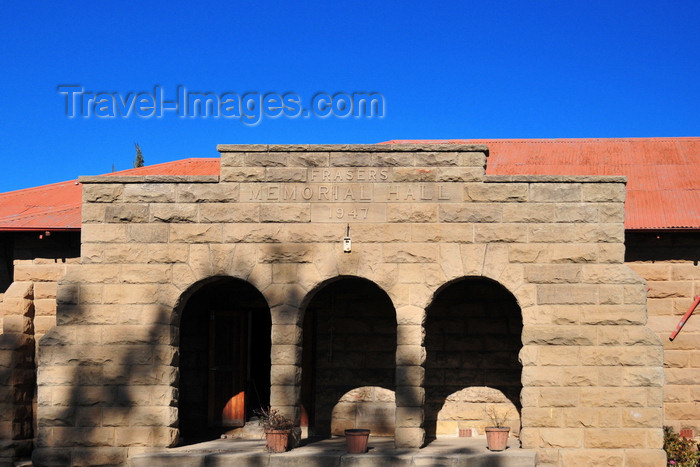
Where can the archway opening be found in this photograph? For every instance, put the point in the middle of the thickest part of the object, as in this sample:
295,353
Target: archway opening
349,359
224,358
473,338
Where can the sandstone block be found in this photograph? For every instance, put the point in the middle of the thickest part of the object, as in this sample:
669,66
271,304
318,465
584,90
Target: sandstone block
559,376
100,233
642,417
206,193
529,213
389,159
102,193
615,438
611,212
410,253
408,437
561,438
611,253
149,193
284,395
559,335
266,159
409,334
410,376
409,355
409,416
555,192
285,212
175,213
286,174
670,289
567,294
509,233
123,213
542,417
603,192
645,457
291,253
554,274
284,334
576,213
308,159
285,375
496,192
350,159
242,174
592,457
414,213
93,213
196,233
473,212
459,174
285,354
414,174
613,397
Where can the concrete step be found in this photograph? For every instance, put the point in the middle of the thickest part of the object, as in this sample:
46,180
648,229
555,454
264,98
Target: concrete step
451,452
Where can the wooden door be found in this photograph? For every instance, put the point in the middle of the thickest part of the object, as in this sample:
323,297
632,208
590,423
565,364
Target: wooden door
228,343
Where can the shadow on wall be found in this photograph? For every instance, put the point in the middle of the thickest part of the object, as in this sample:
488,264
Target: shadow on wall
473,338
368,407
349,353
105,386
17,372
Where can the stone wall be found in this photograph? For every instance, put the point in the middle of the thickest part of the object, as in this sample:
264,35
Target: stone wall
27,312
421,218
669,263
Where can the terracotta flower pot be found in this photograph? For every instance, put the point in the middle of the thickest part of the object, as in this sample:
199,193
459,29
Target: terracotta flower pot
356,440
497,438
277,440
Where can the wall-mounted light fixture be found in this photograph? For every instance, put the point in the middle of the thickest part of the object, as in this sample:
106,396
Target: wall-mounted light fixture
347,243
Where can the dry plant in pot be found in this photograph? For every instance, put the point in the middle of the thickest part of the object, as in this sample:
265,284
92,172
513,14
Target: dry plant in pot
497,431
277,429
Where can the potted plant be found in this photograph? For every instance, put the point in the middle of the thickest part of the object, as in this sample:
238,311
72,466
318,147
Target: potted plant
497,432
277,429
356,440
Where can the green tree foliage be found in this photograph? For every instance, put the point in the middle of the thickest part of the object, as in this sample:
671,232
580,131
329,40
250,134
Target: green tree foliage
138,161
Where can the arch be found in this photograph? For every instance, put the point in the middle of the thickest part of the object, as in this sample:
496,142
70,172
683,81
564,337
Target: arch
346,319
224,356
473,334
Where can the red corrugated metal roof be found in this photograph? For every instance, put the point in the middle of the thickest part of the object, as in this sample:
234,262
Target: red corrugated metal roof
57,206
663,189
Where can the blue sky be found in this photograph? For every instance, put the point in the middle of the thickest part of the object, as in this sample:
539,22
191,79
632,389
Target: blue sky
510,69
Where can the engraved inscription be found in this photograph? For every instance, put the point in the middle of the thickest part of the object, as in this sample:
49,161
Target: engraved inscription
349,174
348,212
349,192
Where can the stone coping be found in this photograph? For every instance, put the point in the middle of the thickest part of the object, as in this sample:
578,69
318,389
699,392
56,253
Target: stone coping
452,147
86,179
90,179
555,178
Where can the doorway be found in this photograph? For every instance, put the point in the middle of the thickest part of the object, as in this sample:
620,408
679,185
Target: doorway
224,359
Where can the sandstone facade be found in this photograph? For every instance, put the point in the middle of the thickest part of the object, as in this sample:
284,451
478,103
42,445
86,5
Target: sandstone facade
505,290
669,263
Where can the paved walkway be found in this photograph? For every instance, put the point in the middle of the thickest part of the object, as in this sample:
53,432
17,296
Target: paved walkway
445,452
